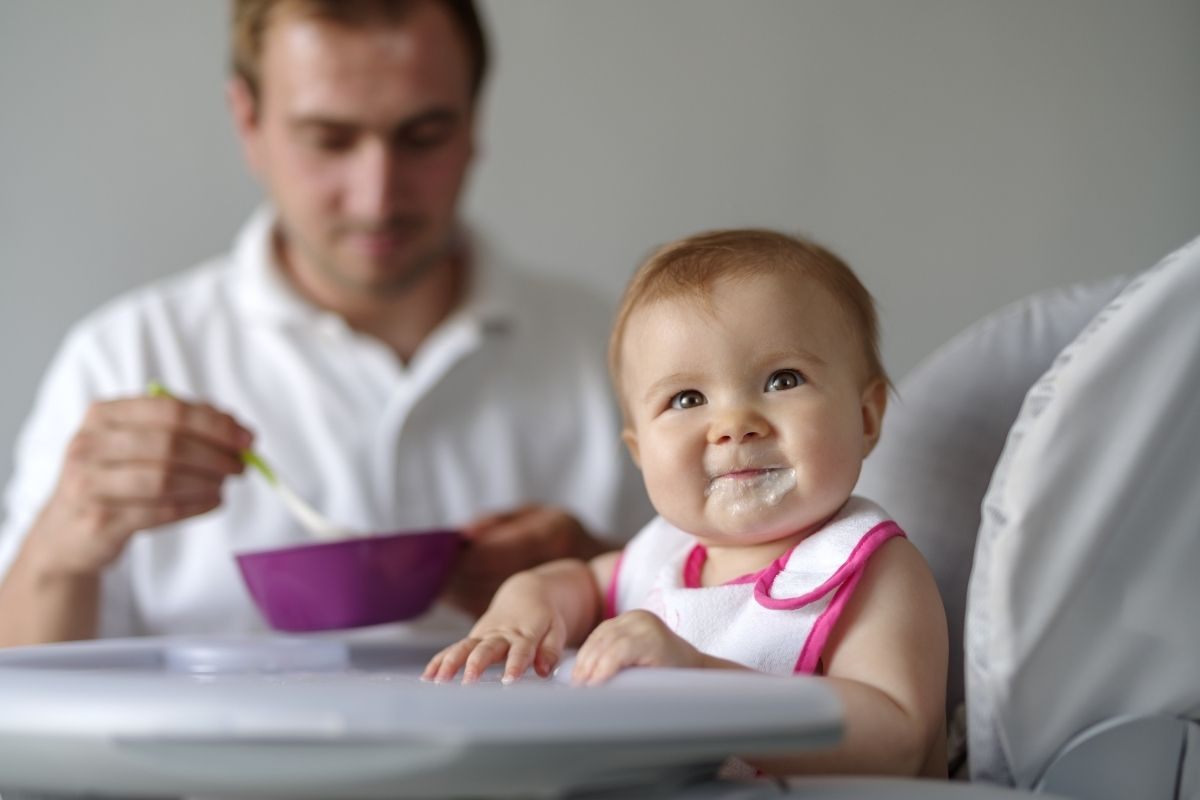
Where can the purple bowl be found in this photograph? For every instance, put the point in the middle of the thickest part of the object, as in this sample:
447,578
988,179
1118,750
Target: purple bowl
350,583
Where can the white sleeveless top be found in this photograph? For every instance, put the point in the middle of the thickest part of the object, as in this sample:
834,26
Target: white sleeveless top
776,620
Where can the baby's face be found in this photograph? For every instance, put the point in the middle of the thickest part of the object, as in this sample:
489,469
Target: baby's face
751,422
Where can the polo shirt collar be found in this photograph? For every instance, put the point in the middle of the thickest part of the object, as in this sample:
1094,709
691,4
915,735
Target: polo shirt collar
267,296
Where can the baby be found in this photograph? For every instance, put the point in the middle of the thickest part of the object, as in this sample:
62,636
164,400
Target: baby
748,368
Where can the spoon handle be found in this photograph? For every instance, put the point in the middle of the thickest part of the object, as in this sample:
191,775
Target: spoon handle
306,515
249,457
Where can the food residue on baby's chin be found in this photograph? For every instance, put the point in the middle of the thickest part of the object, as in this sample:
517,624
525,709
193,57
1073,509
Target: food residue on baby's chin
749,491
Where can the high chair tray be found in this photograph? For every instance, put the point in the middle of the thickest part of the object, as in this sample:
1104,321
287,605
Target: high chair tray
307,718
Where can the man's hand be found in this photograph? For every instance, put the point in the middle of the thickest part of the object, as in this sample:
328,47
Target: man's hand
500,545
633,639
133,464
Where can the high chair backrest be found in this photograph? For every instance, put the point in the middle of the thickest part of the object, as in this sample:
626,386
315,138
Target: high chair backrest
946,426
1084,601
1082,654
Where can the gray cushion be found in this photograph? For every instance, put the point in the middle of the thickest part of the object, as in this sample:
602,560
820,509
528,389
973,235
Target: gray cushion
1084,594
943,433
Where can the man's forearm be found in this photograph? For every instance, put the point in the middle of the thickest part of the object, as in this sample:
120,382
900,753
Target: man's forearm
39,605
587,546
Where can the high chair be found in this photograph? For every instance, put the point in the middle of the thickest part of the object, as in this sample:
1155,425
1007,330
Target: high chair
1046,462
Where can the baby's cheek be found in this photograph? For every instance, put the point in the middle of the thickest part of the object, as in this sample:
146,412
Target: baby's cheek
664,479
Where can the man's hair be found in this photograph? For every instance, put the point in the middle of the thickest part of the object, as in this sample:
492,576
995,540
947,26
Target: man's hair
251,18
691,266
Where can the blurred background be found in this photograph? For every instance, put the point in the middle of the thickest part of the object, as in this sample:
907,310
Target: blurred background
959,153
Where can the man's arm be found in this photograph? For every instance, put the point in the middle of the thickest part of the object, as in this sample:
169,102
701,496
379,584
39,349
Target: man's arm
133,464
39,603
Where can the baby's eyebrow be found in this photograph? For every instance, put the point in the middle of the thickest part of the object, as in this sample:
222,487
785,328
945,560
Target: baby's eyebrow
673,379
798,353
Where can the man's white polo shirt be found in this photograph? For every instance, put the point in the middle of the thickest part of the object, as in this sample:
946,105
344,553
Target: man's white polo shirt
506,402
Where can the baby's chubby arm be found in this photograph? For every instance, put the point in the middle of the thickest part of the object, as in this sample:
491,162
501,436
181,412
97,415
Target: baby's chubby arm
886,659
533,617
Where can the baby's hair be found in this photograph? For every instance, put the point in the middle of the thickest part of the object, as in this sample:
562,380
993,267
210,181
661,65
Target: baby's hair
689,267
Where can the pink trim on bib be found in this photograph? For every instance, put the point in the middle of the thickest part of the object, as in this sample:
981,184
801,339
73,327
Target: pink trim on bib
814,645
693,565
693,568
866,546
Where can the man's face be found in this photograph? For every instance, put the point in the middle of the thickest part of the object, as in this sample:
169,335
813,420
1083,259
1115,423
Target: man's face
749,421
362,138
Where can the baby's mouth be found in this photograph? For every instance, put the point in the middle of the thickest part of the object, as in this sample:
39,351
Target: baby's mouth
748,488
745,473
741,476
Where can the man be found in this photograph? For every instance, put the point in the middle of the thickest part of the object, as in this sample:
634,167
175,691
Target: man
391,368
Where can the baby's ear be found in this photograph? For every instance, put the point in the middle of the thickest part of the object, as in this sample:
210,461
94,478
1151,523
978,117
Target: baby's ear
630,440
874,403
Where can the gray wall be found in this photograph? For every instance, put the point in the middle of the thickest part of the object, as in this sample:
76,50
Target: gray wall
960,153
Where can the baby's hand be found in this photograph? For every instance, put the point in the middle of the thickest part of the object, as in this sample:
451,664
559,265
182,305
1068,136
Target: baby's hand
518,629
635,638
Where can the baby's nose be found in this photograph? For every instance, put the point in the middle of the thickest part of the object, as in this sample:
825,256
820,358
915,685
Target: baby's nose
737,425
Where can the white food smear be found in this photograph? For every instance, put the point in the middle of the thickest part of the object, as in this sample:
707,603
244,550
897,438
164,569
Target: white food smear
746,495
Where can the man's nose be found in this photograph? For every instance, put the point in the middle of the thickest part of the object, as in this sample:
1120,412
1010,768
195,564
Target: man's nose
375,181
736,425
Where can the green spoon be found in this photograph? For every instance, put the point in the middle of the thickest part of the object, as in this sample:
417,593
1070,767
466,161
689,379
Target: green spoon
312,520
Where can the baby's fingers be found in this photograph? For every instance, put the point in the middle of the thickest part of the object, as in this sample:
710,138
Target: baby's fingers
446,664
521,653
548,656
487,652
598,659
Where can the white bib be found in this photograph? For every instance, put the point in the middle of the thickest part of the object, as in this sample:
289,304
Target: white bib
774,621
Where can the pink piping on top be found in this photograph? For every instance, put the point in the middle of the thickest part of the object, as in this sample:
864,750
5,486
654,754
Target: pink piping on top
814,645
694,565
848,575
610,594
862,551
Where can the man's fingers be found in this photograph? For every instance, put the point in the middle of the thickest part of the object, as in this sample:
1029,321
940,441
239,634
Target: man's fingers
194,419
158,446
521,541
137,517
484,525
126,483
492,559
135,464
470,595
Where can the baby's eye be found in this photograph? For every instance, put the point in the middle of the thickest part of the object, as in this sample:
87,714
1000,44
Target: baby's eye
688,398
784,379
